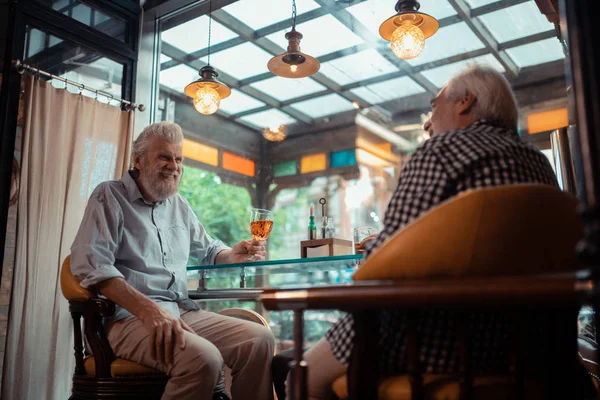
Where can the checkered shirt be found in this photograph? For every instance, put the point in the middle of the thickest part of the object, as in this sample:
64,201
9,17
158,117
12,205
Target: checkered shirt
481,155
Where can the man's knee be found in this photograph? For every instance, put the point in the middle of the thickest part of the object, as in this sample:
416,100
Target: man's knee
262,340
200,358
265,338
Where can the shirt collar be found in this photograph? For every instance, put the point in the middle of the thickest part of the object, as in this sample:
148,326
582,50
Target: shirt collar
133,191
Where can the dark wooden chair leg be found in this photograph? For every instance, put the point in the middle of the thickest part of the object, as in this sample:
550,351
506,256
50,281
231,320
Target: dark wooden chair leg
299,373
464,354
363,367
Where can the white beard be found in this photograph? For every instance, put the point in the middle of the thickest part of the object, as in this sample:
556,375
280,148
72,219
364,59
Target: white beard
157,186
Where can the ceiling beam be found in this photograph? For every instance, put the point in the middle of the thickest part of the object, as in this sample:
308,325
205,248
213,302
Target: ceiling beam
498,5
463,9
527,39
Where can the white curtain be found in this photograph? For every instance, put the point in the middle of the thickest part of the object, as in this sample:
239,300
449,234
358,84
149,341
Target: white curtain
70,144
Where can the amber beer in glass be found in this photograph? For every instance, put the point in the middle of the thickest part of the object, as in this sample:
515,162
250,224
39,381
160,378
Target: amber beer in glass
261,223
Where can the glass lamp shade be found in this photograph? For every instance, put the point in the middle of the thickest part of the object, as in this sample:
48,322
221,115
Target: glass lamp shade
407,41
207,100
407,30
207,92
274,134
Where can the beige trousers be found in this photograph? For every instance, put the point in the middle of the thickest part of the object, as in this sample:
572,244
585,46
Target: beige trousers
323,370
245,347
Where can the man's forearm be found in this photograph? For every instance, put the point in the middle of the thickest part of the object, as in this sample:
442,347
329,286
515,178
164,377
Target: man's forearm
125,295
224,257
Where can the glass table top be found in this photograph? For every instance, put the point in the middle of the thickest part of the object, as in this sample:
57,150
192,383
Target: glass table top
271,267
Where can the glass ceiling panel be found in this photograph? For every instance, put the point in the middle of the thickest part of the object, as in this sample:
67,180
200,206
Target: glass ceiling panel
388,90
536,53
265,119
284,89
372,13
356,67
441,75
324,105
193,35
241,61
252,12
479,3
447,42
178,77
322,35
238,102
516,22
164,58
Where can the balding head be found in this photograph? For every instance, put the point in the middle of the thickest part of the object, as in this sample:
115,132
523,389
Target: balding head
476,93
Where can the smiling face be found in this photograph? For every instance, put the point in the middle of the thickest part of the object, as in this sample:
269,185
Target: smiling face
160,169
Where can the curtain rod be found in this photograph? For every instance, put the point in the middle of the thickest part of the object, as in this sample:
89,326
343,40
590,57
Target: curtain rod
20,67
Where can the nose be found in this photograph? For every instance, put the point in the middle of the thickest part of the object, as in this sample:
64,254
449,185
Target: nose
427,126
172,164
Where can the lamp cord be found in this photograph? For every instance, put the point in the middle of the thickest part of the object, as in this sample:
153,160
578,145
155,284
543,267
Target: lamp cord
293,15
209,28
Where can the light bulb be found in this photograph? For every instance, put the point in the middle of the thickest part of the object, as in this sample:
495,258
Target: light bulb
293,68
207,100
407,41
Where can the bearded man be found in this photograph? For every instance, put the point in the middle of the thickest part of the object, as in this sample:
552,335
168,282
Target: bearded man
133,246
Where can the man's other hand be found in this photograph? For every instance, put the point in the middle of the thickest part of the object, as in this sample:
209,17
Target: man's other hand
245,250
166,332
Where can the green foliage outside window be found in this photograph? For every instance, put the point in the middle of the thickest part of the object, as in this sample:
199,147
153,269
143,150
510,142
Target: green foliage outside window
223,209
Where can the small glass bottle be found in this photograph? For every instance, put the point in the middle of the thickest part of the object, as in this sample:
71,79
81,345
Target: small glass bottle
329,229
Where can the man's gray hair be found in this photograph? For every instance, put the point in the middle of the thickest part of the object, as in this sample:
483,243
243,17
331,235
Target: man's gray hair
495,100
169,131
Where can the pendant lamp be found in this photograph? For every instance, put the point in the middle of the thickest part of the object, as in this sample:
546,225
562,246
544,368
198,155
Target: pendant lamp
207,92
275,133
407,30
293,63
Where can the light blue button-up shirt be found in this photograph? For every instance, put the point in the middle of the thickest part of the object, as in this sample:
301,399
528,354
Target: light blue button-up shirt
123,235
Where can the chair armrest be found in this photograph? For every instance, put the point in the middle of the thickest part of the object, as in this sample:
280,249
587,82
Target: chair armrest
476,292
93,310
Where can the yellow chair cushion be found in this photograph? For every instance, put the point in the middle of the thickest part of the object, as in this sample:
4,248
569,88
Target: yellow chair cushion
501,230
444,387
121,367
69,285
247,315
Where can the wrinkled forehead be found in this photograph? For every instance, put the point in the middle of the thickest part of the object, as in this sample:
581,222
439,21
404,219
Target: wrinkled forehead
440,96
160,145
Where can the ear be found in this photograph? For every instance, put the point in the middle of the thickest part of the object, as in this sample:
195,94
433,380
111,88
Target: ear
466,102
137,162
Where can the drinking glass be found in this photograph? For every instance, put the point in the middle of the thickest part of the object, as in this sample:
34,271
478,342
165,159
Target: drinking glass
361,233
261,224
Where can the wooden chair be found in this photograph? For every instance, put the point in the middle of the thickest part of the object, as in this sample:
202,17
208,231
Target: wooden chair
497,250
102,375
